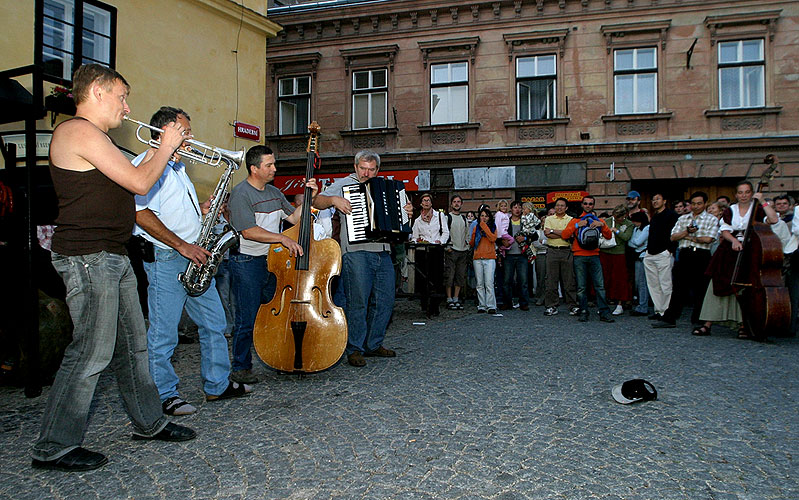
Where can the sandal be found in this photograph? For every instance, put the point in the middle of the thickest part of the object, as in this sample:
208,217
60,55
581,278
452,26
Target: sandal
177,406
701,331
742,333
234,390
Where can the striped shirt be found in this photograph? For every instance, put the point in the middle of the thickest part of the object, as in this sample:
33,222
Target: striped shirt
707,226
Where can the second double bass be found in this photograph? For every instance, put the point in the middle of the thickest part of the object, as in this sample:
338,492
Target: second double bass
300,329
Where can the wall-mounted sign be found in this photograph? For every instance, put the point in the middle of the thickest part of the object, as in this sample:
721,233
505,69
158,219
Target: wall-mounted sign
415,180
569,195
539,201
484,177
247,131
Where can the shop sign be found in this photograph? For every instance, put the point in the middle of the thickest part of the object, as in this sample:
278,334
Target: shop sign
539,201
571,196
292,184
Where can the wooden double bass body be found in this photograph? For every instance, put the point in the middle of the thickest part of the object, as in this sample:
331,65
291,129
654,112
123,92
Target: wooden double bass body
301,330
765,303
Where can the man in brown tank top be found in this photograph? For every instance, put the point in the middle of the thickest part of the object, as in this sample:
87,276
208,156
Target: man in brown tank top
95,184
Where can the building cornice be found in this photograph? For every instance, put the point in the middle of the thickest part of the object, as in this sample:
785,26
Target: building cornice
386,19
240,13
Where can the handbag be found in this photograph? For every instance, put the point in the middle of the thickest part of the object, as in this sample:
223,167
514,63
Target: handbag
609,242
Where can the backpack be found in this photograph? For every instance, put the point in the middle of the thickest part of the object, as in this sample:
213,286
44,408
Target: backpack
588,237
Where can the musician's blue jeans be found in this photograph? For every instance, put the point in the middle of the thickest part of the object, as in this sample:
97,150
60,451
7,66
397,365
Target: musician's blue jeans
108,331
166,299
253,285
585,268
368,279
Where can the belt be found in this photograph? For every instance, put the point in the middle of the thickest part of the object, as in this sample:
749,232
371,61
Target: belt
694,249
558,248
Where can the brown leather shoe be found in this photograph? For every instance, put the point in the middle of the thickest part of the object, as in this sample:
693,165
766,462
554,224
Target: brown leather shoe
381,352
356,359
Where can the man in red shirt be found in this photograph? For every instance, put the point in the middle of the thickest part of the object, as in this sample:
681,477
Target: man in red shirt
586,259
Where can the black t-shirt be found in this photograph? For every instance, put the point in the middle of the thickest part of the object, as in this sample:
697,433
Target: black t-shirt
660,232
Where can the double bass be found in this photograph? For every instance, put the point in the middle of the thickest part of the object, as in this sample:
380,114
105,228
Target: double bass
757,277
301,330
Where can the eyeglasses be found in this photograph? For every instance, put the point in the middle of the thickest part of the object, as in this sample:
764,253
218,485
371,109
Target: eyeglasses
587,203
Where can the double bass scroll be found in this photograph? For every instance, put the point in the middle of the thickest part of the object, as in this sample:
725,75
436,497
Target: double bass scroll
301,330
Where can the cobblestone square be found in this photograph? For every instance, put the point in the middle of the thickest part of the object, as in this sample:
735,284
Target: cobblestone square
473,407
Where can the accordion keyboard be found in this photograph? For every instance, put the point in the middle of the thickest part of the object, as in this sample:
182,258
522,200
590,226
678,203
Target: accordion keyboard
358,221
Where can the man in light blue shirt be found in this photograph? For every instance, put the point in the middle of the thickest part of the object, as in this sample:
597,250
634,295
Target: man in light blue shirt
170,217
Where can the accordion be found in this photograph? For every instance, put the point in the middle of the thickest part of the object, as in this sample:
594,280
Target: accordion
377,212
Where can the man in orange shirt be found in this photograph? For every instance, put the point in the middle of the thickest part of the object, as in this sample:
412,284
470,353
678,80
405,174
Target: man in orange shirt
585,248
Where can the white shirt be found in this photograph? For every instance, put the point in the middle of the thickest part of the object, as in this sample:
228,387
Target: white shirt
174,201
434,231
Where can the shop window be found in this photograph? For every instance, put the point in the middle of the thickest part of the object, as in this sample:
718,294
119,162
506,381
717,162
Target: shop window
369,99
741,74
75,32
535,87
449,93
294,103
635,80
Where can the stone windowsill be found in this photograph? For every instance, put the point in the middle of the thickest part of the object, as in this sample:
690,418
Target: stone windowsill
638,117
369,131
447,127
534,123
724,113
285,137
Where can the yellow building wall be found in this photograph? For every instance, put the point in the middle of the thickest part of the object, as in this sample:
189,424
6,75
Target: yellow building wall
205,56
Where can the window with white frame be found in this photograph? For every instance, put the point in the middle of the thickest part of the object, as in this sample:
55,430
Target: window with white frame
369,99
741,74
535,87
294,104
635,74
76,32
449,93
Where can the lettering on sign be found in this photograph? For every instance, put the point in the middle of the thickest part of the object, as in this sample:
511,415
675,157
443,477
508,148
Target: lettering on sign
247,131
414,180
568,195
539,201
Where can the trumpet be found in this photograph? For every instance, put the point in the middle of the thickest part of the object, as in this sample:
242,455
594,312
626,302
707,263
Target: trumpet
193,150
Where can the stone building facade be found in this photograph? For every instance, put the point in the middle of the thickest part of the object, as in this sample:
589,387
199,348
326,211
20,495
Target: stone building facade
520,98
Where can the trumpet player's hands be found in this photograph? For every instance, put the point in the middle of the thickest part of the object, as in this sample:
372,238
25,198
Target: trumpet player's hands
194,253
293,247
173,136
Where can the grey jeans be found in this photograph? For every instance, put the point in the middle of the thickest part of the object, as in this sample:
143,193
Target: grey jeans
108,330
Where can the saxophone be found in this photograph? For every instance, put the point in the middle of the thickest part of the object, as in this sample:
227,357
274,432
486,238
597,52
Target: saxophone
197,279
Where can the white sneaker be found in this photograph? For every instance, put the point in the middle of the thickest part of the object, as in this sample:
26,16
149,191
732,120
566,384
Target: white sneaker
618,311
551,311
574,311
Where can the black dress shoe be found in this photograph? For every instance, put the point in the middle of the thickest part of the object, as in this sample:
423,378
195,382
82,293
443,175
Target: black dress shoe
655,317
78,459
664,324
172,432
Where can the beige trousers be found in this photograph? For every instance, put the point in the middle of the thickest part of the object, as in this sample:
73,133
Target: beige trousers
658,279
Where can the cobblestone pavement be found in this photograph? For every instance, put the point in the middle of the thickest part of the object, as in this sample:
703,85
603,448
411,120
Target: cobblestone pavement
473,407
